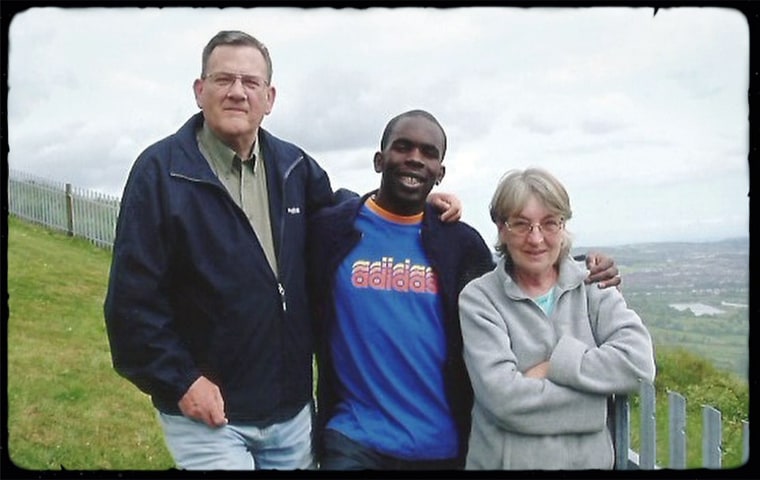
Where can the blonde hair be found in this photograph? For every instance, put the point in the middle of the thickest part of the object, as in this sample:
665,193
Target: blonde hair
515,189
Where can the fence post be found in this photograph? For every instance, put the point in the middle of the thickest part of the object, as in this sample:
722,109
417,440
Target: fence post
677,429
745,441
648,454
69,211
622,432
711,437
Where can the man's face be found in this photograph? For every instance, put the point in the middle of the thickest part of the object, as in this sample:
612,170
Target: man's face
234,110
411,164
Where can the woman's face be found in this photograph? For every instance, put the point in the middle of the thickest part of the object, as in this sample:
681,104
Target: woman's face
533,238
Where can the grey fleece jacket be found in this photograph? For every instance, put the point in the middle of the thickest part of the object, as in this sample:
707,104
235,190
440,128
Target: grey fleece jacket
596,346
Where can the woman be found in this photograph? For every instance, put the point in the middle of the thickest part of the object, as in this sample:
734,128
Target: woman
543,349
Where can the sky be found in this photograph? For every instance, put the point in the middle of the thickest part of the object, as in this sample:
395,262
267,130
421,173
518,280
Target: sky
642,116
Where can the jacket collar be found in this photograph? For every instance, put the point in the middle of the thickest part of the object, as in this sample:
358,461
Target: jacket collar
192,164
189,162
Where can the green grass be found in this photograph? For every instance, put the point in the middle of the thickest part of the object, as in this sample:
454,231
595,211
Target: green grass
67,408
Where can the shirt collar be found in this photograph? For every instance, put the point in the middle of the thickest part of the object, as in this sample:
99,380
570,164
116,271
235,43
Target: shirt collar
220,152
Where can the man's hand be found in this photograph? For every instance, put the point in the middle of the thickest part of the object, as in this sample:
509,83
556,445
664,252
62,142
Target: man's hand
203,401
602,269
448,204
537,371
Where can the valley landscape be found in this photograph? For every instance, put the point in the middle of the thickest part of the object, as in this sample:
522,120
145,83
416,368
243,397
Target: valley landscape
691,295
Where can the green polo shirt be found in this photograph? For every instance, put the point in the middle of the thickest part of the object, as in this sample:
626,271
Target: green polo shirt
246,182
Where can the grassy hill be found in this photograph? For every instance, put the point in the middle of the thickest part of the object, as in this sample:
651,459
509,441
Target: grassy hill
68,409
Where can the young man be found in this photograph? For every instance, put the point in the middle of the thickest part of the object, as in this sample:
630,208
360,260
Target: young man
384,277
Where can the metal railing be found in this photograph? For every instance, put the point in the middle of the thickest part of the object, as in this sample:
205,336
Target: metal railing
60,206
645,459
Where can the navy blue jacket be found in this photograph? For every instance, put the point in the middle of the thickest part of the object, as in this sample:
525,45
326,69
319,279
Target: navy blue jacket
457,253
191,292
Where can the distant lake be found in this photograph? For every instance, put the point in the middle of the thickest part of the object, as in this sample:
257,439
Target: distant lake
697,308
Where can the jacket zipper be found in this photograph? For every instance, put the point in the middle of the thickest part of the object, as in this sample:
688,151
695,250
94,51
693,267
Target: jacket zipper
281,289
280,286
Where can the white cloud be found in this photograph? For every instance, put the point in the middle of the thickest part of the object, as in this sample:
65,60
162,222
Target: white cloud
645,118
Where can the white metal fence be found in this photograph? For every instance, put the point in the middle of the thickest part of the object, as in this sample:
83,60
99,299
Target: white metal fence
645,459
60,206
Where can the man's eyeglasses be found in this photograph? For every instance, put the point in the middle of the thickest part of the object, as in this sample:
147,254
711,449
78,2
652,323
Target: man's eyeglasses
550,226
226,80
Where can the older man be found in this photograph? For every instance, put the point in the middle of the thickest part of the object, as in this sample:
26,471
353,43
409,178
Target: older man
205,309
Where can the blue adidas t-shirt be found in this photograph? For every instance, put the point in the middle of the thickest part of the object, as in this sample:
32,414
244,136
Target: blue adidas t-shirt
389,344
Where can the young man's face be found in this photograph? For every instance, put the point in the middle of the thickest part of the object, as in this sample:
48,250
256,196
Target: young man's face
411,164
234,94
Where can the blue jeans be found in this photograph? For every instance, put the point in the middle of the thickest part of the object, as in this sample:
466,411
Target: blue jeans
342,453
282,446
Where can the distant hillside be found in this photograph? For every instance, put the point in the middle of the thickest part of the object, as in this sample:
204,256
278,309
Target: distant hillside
691,295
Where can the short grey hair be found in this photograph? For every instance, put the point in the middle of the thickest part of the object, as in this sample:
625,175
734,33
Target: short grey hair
238,38
515,189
